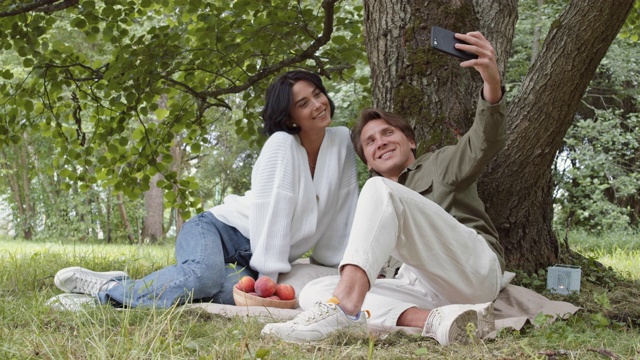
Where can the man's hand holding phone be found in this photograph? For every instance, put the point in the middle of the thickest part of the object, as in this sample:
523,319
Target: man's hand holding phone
477,52
445,40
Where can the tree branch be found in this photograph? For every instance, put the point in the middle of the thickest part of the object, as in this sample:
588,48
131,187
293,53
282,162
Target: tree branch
47,6
307,54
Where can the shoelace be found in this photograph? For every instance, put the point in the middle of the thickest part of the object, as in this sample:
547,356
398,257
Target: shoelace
88,284
433,322
319,310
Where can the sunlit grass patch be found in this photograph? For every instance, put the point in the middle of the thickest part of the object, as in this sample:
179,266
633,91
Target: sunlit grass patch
37,263
619,250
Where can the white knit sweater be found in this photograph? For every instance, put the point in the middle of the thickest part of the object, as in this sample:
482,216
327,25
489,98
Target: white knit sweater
287,212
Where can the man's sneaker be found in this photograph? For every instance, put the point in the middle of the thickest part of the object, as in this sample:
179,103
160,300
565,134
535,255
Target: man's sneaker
448,324
71,302
83,281
317,323
486,319
390,268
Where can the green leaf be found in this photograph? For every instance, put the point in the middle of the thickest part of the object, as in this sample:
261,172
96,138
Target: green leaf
15,139
137,134
263,353
338,39
7,74
113,149
186,214
78,23
28,62
161,113
28,106
170,196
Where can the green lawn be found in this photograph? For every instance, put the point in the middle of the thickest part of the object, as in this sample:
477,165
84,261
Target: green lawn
621,251
29,329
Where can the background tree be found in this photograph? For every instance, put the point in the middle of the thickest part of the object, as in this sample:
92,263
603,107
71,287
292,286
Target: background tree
598,174
90,77
592,187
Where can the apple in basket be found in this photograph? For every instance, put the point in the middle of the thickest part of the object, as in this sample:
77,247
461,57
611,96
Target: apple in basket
265,286
285,292
264,292
246,284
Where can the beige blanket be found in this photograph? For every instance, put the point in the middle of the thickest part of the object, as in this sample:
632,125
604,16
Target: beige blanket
514,306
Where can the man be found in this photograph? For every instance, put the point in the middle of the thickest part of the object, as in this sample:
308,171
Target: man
425,212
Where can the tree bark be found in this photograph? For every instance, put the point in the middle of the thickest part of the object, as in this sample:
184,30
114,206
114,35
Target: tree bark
537,34
26,189
152,229
14,185
107,227
17,173
125,218
426,87
438,97
518,185
46,6
177,153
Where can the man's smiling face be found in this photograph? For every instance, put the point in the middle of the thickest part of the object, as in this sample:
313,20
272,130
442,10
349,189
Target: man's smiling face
388,151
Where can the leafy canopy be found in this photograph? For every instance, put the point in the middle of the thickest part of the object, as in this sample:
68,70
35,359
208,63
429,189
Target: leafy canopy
115,83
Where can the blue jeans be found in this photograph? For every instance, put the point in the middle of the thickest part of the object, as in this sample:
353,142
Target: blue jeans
205,248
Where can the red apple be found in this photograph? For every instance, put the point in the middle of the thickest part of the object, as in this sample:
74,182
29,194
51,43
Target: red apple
285,292
265,286
246,284
274,297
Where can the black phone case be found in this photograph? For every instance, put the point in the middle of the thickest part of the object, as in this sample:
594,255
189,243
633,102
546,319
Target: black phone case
444,40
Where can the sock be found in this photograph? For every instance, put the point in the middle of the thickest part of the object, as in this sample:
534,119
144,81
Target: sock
334,300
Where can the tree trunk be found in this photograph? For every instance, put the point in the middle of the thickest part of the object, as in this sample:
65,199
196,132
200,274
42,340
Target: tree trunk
537,35
107,227
176,165
24,168
20,223
125,218
17,173
428,88
518,186
437,96
152,229
152,225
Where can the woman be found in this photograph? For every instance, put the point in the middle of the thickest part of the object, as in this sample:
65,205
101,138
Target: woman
303,195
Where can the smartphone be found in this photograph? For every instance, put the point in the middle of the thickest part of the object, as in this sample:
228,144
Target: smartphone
444,40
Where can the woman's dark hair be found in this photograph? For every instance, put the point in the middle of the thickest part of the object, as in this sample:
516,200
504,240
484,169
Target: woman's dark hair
276,113
392,119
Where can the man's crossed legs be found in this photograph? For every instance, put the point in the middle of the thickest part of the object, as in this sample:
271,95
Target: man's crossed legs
445,264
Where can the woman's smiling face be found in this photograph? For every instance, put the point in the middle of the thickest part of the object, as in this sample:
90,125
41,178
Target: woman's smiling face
310,109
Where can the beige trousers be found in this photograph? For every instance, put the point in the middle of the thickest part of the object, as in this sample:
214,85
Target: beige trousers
445,262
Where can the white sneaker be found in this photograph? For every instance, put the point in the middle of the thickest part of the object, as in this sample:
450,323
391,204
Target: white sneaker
317,323
390,268
71,302
84,281
448,324
486,319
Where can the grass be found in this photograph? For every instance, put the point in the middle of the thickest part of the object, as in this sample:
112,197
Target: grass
30,330
620,251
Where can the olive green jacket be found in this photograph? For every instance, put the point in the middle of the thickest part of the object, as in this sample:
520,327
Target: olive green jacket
448,175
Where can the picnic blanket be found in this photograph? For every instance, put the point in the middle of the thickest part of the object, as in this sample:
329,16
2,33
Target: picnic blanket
514,306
